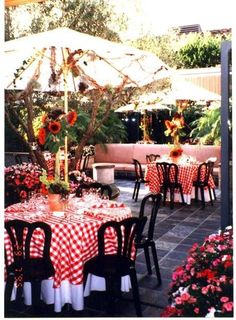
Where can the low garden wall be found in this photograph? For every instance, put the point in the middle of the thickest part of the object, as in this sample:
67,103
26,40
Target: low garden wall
122,154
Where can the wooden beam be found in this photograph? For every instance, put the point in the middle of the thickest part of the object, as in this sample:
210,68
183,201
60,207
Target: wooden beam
14,3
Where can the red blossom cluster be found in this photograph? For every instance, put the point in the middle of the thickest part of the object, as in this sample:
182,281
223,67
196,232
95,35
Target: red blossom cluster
175,153
24,177
203,286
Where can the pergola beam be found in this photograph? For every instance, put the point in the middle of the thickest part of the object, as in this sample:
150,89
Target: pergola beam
14,3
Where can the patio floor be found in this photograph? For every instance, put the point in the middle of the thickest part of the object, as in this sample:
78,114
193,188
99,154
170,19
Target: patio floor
176,231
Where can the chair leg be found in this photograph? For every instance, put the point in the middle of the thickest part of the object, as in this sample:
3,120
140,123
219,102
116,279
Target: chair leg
137,191
182,195
209,189
135,290
164,196
135,187
214,192
202,197
35,292
172,191
155,259
148,261
196,194
109,295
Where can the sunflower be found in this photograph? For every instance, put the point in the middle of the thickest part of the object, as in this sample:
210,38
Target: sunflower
71,117
42,136
54,127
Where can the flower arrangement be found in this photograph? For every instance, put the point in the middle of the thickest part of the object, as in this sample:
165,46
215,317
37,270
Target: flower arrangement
174,126
76,178
57,125
54,185
24,178
203,286
175,153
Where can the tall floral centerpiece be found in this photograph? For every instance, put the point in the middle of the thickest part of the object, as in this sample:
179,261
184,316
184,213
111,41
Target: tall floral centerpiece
57,125
174,129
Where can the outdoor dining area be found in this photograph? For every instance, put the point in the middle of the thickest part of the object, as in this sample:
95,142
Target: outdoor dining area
110,229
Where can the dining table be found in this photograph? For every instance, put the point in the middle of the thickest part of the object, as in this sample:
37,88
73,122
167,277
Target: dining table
73,242
187,173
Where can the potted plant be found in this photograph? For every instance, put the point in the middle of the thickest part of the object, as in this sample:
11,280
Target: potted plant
57,190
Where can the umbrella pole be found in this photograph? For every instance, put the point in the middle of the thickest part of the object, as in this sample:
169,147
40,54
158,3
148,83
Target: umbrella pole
65,73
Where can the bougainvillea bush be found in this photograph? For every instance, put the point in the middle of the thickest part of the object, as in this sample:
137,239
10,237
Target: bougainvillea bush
203,286
21,179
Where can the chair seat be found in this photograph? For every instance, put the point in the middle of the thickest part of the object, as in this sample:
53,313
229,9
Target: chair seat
38,269
108,265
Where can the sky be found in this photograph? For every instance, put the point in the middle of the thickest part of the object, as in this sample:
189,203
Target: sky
157,16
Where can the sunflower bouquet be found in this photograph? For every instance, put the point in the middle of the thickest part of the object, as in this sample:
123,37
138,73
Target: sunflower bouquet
57,125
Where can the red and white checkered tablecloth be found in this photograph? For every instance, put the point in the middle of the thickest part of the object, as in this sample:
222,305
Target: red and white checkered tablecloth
187,174
74,239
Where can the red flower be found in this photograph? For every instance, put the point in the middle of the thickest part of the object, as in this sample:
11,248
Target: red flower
176,153
42,136
71,117
54,127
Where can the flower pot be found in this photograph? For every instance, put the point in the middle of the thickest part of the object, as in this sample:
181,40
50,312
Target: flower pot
55,202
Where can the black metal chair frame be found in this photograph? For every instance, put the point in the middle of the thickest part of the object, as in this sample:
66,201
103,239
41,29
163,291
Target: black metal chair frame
167,171
25,268
113,266
103,189
84,160
205,170
146,240
152,157
139,178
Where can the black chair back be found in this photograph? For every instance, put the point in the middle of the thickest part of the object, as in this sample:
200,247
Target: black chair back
155,204
138,170
25,268
102,189
84,160
205,170
126,231
152,157
168,172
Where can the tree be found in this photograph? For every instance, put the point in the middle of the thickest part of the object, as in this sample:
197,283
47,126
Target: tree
93,17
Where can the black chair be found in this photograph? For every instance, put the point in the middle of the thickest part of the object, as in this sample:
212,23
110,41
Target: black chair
24,267
145,241
168,174
205,171
104,190
84,160
152,157
114,266
139,178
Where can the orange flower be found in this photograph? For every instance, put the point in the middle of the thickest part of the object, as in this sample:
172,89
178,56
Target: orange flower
71,117
171,128
42,136
44,118
176,152
178,120
54,127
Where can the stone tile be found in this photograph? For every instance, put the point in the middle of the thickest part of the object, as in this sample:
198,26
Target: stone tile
170,263
170,237
180,231
163,245
178,255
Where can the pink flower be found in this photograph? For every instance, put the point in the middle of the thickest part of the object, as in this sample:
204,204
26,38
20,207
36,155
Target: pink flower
185,296
178,300
204,290
228,306
224,299
196,310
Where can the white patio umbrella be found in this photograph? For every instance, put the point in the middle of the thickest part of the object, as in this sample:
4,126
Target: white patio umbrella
62,59
142,107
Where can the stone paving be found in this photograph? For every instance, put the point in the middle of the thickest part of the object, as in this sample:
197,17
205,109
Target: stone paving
176,231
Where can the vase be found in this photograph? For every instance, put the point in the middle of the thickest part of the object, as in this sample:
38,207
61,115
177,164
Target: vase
55,202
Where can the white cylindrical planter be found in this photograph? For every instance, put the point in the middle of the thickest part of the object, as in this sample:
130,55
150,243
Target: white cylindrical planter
103,173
